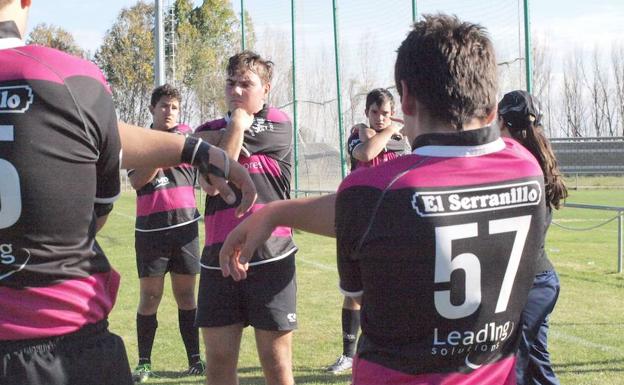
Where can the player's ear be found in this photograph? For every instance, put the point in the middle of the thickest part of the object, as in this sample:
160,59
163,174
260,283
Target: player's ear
151,109
267,89
407,100
491,116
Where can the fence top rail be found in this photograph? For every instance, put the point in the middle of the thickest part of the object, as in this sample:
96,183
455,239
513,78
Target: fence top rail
593,207
588,139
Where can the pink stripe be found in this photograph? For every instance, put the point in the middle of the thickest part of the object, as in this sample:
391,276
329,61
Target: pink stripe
512,163
260,164
499,373
379,159
58,66
165,200
219,225
212,125
59,309
277,116
184,129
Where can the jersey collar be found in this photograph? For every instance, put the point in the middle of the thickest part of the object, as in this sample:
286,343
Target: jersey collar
482,141
9,35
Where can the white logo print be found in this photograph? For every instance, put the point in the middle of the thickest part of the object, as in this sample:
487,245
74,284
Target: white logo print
15,99
160,182
10,263
292,317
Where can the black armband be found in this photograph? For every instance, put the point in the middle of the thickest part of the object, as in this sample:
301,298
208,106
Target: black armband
189,151
196,152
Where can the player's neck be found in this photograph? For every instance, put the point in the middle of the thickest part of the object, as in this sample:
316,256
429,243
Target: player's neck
15,13
422,124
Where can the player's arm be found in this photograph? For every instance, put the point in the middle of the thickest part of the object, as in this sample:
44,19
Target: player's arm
139,177
372,142
100,222
314,215
232,140
152,148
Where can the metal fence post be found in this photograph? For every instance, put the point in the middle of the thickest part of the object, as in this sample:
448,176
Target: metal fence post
619,264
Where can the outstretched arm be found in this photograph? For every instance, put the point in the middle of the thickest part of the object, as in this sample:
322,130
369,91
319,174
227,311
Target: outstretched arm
315,215
152,148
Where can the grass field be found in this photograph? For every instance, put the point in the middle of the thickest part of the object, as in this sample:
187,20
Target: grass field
587,327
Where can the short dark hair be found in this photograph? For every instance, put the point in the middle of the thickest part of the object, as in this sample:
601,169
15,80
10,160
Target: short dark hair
379,96
449,66
249,60
164,90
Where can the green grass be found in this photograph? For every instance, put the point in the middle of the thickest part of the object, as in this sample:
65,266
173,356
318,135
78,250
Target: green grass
587,327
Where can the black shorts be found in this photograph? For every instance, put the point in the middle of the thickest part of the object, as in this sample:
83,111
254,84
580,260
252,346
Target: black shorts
266,300
91,355
175,250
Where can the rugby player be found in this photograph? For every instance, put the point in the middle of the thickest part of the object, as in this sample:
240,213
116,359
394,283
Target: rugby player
442,287
166,240
368,145
60,145
261,138
520,117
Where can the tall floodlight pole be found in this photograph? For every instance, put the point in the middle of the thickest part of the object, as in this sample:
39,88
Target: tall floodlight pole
343,163
243,38
414,11
159,42
294,94
528,55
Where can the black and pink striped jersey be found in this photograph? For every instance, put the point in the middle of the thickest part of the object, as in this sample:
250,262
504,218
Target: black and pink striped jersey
441,245
59,155
267,155
168,200
396,147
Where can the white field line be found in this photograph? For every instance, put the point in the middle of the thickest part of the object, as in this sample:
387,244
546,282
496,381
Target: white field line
583,342
318,265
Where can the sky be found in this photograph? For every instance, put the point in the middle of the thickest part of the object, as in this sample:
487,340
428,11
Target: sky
567,24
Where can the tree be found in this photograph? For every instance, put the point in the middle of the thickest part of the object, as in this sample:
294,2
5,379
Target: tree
542,79
206,37
126,57
573,106
55,37
617,65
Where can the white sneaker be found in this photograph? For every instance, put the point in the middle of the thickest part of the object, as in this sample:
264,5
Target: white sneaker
342,364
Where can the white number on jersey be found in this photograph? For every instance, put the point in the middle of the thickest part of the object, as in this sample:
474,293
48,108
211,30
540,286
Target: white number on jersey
468,262
10,193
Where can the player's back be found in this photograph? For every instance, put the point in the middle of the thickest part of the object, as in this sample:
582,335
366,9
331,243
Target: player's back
59,154
444,242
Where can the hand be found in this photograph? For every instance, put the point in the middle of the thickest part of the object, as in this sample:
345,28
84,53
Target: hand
214,164
241,119
240,244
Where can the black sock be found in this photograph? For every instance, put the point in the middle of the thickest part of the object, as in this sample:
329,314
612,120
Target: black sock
350,327
190,334
146,331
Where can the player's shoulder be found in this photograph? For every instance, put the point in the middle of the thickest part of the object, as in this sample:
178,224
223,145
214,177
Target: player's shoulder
57,66
379,177
212,125
276,115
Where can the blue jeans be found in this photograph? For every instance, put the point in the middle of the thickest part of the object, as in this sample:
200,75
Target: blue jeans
533,365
